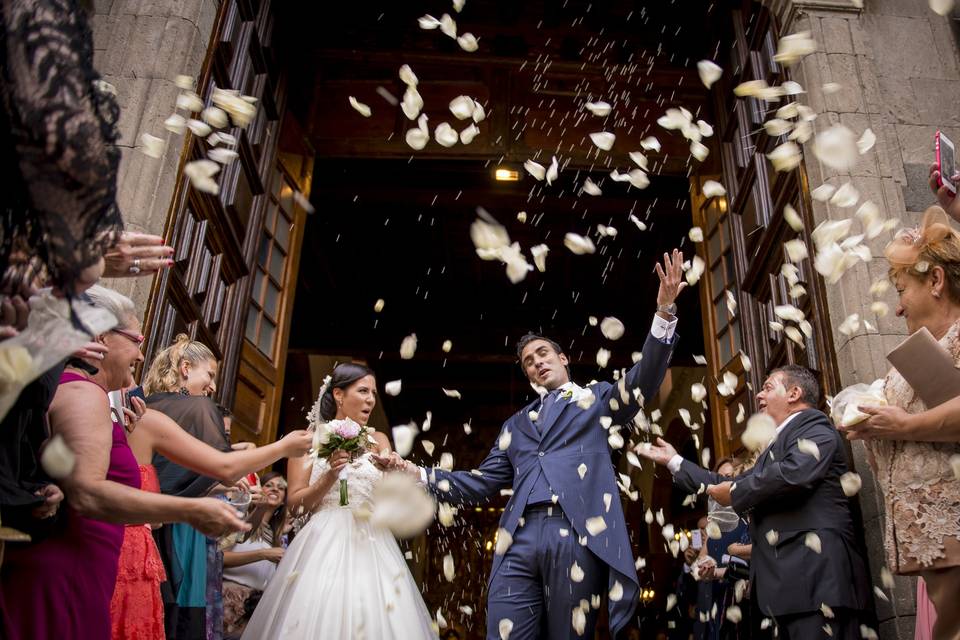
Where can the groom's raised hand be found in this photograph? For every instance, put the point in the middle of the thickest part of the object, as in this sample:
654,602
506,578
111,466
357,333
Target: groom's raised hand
671,278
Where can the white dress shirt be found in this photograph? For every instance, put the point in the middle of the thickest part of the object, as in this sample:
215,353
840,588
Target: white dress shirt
674,464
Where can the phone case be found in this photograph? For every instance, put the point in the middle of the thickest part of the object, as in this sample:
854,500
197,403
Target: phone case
940,181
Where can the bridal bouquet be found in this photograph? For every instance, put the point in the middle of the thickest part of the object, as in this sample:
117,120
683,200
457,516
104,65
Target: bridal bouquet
340,435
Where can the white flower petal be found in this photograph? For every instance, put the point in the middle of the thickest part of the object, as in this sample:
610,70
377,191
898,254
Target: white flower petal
836,147
57,459
712,189
823,193
698,392
785,157
468,42
504,540
695,234
468,134
578,244
846,196
777,127
417,138
696,269
479,113
796,250
199,128
616,591
189,101
866,141
650,144
709,72
358,106
809,447
448,25
793,218
705,128
445,135
590,188
539,253
941,7
407,76
428,22
611,328
176,123
851,483
403,437
408,347
639,223
812,541
152,146
603,140
553,171
699,150
451,393
222,155
792,48
215,117
412,103
760,431
599,108
462,107
603,357
639,159
830,88
535,169
750,88
596,525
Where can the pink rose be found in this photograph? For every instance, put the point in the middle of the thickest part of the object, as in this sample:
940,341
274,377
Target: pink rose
348,430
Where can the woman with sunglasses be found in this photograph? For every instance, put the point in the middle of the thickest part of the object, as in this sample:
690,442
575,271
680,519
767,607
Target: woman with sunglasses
61,587
196,454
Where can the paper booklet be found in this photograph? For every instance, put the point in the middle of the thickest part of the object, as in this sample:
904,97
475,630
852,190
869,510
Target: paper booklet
927,367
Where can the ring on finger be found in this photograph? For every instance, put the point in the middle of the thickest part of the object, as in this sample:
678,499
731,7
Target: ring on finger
135,267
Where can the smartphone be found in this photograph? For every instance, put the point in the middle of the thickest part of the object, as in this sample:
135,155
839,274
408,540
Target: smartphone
696,541
946,161
135,392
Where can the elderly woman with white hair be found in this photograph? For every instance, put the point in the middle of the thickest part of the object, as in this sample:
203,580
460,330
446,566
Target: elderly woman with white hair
61,587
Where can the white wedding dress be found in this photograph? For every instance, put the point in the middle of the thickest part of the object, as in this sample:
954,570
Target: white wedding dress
341,577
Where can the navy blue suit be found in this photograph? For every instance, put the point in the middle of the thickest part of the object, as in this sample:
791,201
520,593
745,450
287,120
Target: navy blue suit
534,571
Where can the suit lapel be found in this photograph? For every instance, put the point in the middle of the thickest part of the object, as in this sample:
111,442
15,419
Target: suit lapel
524,422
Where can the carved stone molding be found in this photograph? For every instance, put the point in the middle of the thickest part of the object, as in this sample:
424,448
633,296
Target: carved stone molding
787,10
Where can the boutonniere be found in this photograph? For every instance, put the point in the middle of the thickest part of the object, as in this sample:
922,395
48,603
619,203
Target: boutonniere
567,395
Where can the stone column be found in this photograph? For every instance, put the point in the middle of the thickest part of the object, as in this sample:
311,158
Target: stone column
140,47
896,62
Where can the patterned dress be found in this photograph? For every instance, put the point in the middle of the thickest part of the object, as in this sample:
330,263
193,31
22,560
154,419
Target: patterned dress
920,492
136,610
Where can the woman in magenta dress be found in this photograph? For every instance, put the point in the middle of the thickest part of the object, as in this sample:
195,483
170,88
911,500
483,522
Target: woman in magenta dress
60,589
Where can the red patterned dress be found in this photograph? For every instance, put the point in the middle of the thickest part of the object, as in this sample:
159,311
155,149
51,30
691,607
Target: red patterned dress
136,610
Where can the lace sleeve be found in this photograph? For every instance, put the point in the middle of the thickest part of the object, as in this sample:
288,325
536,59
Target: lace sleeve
62,134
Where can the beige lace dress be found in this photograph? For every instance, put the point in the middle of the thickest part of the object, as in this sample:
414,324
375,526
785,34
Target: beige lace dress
921,494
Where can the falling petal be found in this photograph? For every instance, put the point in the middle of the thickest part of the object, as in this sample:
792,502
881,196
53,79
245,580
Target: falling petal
772,537
590,188
393,387
199,128
793,218
408,347
760,431
941,7
579,621
712,189
451,393
880,309
611,328
462,107
189,101
576,573
709,72
705,128
793,47
539,253
792,88
479,113
671,601
830,231
412,103
696,269
699,150
582,470
223,156
777,127
812,540
448,26
713,530
468,134
603,140
650,144
176,124
535,169
598,108
552,171
616,592
639,159
596,525
866,141
603,357
445,135
698,392
57,459
836,147
152,146
578,244
639,223
785,157
809,447
750,88
428,22
417,138
851,483
187,83
823,193
695,234
407,76
215,117
504,540
468,42
846,196
796,250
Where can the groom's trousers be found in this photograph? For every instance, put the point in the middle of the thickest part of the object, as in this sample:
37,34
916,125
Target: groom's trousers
533,587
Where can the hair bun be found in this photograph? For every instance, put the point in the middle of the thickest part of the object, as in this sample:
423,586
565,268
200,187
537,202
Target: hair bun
181,338
328,406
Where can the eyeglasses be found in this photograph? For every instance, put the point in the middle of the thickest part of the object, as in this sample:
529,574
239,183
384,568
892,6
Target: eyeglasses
132,337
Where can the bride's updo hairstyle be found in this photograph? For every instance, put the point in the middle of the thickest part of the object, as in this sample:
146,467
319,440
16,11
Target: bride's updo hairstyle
344,375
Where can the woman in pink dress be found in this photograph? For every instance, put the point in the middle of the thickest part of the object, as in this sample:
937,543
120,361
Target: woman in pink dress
60,588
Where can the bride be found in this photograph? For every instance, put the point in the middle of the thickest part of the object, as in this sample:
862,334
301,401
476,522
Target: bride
341,577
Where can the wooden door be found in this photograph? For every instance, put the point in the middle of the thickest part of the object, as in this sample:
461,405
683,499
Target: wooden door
218,238
744,234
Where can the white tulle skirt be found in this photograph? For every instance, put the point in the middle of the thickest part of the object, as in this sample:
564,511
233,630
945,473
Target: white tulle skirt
341,578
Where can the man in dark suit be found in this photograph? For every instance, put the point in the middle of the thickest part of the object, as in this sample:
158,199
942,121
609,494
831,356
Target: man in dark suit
806,568
563,543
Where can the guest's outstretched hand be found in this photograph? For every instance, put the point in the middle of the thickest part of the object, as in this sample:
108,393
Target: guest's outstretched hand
671,277
661,452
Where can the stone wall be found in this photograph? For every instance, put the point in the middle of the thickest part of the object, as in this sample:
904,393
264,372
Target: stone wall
140,47
897,63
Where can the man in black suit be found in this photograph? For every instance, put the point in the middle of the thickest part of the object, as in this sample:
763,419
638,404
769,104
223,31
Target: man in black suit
805,554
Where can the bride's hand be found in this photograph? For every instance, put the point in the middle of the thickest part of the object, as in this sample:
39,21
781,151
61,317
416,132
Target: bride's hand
392,462
338,460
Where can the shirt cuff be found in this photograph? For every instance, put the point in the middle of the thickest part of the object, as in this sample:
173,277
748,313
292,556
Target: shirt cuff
423,475
674,464
663,329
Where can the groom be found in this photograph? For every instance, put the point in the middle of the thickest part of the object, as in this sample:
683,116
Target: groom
563,541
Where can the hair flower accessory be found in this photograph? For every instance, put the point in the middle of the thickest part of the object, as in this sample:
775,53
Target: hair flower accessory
907,246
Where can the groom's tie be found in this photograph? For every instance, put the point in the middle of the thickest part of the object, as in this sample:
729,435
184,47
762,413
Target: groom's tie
546,406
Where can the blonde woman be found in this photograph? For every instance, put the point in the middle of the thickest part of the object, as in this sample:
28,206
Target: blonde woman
910,445
179,384
136,610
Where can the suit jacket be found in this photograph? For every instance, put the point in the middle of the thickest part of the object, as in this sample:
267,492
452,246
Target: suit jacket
567,437
793,493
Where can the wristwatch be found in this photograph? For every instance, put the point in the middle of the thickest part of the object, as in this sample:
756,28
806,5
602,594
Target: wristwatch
667,308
